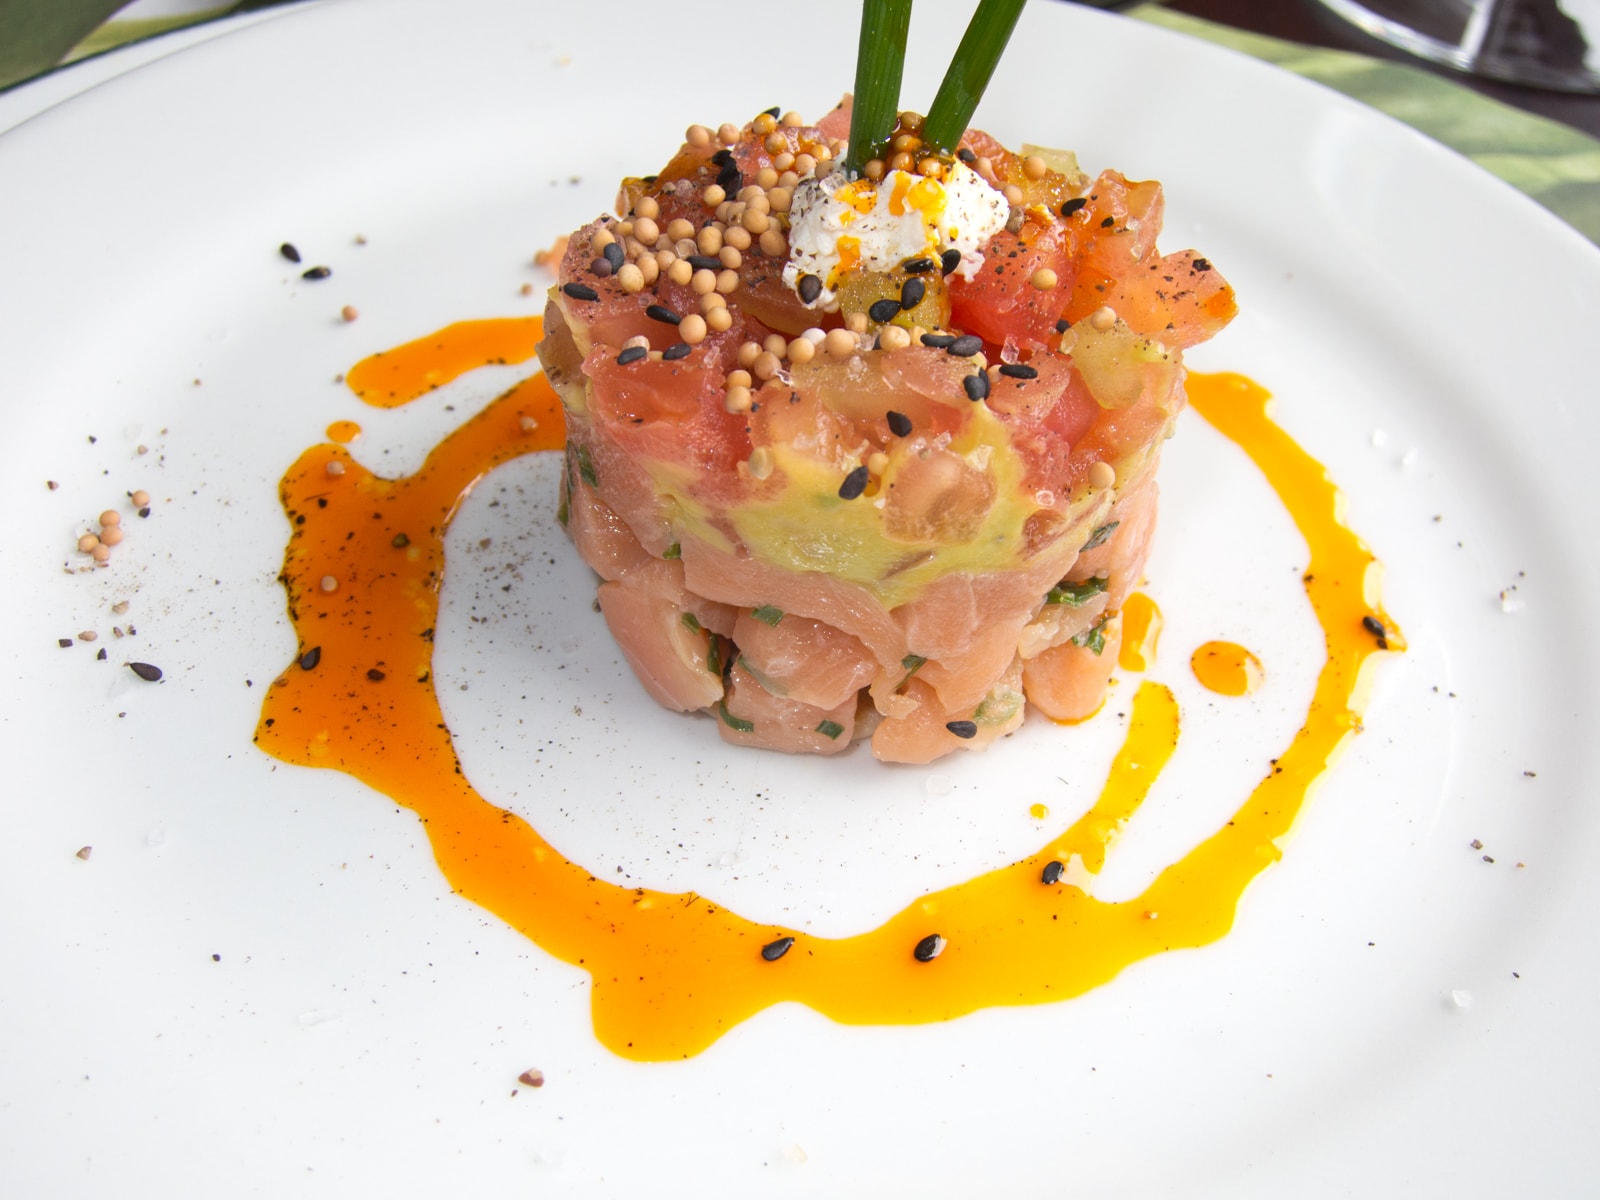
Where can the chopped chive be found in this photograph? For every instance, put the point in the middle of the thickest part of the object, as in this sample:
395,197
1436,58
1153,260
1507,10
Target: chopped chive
586,467
880,62
767,614
1092,639
714,656
1075,595
913,662
970,71
690,622
1099,536
673,551
738,724
830,729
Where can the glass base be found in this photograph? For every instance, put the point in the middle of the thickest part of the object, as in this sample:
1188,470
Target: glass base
1537,43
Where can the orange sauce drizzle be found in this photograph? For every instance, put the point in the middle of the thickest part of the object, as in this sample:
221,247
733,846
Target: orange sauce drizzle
1141,630
1226,668
395,377
674,971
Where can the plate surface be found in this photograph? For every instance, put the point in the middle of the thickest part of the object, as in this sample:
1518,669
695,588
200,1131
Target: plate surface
260,976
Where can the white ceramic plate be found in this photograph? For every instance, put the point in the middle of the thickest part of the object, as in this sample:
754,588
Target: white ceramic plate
259,982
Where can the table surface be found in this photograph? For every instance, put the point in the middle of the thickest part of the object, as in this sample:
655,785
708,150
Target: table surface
1308,23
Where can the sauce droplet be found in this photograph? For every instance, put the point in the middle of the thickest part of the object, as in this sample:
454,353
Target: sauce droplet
343,432
1039,812
1226,668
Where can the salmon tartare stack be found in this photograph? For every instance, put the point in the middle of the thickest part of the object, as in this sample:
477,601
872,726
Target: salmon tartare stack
870,454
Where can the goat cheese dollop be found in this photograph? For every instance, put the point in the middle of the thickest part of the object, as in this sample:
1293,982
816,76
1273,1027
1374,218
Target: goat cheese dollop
838,225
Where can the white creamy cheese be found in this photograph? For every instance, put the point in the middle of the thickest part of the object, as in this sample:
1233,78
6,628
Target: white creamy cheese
836,224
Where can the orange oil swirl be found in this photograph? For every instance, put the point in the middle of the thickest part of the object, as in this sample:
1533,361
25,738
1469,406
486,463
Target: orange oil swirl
673,971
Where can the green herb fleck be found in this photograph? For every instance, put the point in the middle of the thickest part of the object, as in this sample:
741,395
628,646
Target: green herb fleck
767,615
673,551
1099,536
1076,595
733,722
586,467
714,656
1093,638
690,622
830,729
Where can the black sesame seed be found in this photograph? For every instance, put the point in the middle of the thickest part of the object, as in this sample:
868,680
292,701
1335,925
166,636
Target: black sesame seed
962,729
854,484
1374,626
400,541
949,260
580,291
674,353
145,511
64,643
704,262
976,386
310,659
614,255
899,423
966,155
773,951
1052,873
660,312
148,672
1018,371
631,355
809,287
965,346
729,178
1063,325
316,273
101,657
1073,205
774,112
1108,223
911,293
1202,264
939,341
882,311
722,157
289,252
928,948
920,265
375,675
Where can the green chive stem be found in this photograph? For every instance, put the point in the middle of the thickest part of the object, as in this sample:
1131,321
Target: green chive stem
880,62
970,72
